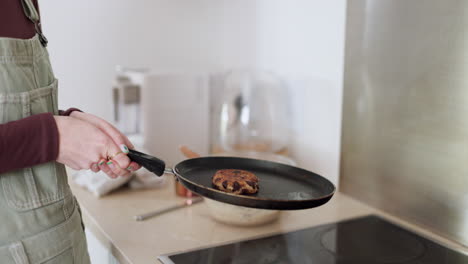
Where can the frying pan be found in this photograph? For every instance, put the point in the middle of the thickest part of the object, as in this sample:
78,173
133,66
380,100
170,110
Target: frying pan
281,187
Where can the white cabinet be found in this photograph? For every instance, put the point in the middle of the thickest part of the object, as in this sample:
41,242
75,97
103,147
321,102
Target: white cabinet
98,252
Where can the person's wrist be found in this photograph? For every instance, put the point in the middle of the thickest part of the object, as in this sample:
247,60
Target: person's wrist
59,121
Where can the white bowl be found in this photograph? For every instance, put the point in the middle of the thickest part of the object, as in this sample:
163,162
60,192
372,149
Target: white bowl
239,215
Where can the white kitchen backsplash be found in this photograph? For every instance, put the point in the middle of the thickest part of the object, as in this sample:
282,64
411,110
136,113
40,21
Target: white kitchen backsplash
316,118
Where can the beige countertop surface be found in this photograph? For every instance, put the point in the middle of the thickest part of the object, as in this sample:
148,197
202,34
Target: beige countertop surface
110,218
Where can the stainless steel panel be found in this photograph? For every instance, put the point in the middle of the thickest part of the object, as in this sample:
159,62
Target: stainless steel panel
405,113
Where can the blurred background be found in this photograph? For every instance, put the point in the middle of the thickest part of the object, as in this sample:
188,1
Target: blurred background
189,52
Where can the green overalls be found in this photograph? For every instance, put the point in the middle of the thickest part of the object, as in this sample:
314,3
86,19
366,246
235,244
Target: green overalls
40,221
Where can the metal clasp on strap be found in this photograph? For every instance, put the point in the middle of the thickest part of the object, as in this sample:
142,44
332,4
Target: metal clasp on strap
42,38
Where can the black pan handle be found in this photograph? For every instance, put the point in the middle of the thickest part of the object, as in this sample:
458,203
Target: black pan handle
150,163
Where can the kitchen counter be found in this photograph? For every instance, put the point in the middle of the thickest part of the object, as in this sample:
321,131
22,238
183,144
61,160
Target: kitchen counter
110,219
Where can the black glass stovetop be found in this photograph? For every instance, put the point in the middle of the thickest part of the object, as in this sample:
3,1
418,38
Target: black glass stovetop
363,240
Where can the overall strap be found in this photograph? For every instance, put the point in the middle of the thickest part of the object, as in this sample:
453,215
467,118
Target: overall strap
31,13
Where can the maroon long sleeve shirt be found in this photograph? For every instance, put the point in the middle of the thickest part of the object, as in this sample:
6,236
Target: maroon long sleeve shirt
35,139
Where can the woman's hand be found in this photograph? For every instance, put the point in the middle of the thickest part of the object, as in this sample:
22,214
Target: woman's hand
83,146
118,138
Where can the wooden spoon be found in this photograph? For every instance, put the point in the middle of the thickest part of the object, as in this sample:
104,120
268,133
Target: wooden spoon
188,153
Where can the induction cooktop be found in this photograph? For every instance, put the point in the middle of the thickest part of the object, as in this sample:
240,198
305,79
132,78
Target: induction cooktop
368,239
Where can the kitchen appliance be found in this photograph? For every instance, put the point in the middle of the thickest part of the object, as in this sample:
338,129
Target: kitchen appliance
405,114
369,239
175,111
282,187
126,100
164,109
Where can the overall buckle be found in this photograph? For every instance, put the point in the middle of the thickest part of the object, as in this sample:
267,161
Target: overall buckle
42,38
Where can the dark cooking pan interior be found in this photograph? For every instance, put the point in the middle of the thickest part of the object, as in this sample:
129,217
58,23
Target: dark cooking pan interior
281,187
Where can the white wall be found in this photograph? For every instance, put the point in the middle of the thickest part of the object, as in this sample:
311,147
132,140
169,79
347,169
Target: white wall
302,40
88,38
